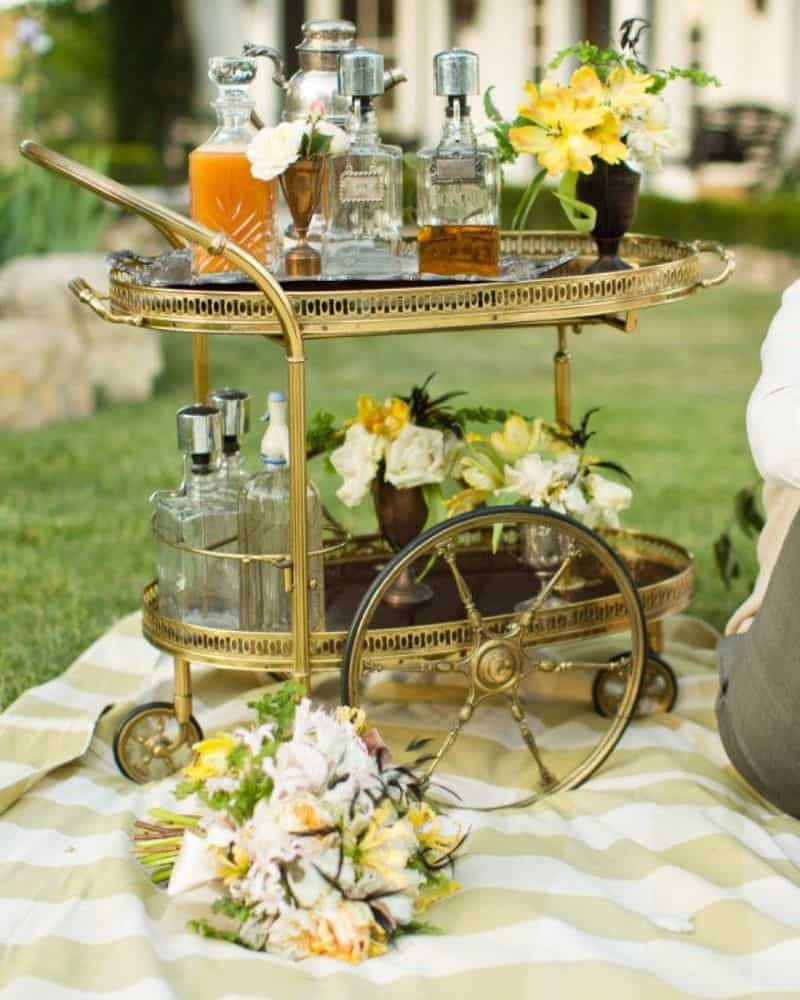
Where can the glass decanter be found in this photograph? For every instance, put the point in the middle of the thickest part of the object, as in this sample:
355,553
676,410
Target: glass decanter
195,588
234,408
458,182
223,193
365,185
265,528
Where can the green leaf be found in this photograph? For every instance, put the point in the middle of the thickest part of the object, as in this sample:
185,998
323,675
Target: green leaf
490,108
437,512
582,217
528,200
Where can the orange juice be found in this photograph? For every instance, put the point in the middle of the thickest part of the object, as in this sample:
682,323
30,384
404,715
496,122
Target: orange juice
226,197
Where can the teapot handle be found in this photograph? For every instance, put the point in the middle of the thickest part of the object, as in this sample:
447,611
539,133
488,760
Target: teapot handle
254,51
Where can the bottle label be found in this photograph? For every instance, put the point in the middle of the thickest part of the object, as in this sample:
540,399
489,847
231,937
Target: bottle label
451,170
361,186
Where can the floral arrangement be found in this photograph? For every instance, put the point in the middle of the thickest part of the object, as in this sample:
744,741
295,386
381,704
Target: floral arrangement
315,842
274,149
532,462
407,441
612,110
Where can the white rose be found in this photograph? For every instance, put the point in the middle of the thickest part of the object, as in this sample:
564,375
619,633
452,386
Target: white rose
574,501
648,134
566,467
272,150
340,140
356,461
608,499
531,477
415,457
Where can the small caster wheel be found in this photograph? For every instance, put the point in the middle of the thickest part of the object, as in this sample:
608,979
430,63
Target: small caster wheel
150,745
658,692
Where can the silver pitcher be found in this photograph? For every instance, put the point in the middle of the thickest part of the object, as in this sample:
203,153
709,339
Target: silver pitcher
316,79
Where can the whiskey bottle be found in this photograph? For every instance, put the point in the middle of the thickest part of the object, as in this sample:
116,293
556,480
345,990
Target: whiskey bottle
234,408
365,185
458,182
264,528
196,588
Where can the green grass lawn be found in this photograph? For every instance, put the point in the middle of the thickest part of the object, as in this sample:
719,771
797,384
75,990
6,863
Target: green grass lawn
75,543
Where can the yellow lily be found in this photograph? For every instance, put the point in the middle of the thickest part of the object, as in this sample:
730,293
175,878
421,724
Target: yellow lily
557,136
428,828
517,438
627,88
433,892
466,500
587,87
608,137
386,846
233,867
386,419
210,757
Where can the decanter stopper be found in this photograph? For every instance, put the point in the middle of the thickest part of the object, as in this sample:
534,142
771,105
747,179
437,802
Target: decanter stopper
199,431
233,75
361,73
234,407
456,73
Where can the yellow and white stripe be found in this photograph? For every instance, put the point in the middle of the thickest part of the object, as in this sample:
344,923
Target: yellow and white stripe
665,876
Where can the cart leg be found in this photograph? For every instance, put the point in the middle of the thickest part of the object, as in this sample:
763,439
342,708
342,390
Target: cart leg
299,581
183,691
562,360
200,367
655,636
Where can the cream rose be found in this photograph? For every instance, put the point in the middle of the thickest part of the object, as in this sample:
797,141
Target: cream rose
416,457
608,499
272,150
531,477
356,461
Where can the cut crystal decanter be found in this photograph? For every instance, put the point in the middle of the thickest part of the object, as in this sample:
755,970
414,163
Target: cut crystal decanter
365,185
196,588
458,182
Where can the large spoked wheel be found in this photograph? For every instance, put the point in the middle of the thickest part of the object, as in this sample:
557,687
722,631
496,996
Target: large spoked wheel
495,674
150,744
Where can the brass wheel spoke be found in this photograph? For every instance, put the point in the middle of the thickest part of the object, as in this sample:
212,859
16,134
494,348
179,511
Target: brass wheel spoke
518,713
523,623
474,616
465,713
461,666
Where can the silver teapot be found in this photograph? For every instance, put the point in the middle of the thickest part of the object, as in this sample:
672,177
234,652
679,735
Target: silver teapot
316,79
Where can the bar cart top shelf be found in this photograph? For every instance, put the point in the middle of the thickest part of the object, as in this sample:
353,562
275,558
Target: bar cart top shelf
663,270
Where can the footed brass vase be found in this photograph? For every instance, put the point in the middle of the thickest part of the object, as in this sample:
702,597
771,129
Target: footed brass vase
301,184
401,517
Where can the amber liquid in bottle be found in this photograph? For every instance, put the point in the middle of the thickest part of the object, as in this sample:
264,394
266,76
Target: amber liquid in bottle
459,250
227,198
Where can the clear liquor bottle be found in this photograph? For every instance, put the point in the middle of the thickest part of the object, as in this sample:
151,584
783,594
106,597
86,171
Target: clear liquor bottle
265,528
194,588
234,408
458,182
365,185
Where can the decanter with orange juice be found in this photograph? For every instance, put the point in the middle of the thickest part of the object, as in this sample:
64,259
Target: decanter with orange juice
224,195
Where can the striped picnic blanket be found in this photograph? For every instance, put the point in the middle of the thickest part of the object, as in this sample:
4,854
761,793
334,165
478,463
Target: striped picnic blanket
664,876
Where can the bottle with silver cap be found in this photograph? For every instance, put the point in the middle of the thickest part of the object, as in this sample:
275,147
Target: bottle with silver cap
365,184
264,528
202,590
234,408
223,194
458,181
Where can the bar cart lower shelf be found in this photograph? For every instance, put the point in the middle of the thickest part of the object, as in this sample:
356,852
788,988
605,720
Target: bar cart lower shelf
504,625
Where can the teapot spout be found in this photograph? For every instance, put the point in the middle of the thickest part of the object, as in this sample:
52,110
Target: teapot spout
392,77
254,51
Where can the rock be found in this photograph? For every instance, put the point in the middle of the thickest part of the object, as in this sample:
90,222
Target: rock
44,376
122,362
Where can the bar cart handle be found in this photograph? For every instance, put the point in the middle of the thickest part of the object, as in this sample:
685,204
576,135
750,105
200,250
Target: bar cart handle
728,257
98,303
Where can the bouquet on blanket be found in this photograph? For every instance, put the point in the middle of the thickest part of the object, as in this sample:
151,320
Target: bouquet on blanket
315,841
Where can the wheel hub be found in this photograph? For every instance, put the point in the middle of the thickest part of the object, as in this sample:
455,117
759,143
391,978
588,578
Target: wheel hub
496,665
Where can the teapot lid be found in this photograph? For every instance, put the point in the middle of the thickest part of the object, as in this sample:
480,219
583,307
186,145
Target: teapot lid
327,36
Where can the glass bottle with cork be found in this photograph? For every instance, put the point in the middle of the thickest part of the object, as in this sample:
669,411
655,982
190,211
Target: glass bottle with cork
234,408
458,182
224,195
264,529
365,185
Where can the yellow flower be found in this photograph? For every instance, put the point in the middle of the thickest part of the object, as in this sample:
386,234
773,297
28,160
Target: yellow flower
516,439
355,716
234,865
587,87
386,846
432,892
627,88
386,419
466,500
608,137
430,831
210,757
558,133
